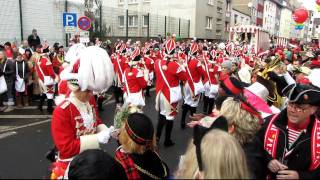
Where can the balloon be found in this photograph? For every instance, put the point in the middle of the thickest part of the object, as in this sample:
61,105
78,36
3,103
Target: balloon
318,2
300,15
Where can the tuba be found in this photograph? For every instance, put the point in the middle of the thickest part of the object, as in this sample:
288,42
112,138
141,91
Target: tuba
274,98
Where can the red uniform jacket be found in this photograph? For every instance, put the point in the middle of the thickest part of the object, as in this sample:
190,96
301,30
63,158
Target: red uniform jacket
173,73
135,80
46,67
67,127
212,71
196,71
149,63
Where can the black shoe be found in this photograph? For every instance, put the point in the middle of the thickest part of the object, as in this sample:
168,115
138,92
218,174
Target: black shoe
183,125
50,110
40,108
169,143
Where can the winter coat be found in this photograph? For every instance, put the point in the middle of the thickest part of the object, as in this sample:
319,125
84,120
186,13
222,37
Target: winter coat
300,157
9,73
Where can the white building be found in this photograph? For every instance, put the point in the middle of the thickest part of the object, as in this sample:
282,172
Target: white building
286,21
238,18
269,16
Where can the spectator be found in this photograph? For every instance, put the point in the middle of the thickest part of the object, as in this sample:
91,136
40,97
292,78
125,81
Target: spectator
95,164
9,75
22,75
32,66
221,158
137,151
289,140
24,46
33,39
8,50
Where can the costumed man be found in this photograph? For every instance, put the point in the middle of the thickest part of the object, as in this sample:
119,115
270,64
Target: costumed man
148,63
210,83
291,138
169,73
71,57
76,125
194,86
135,81
46,76
119,63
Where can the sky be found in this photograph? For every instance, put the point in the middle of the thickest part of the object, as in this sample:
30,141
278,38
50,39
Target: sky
309,4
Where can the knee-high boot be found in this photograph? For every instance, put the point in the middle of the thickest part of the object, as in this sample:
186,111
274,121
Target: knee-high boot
205,104
42,98
185,109
161,123
50,105
211,105
168,142
193,110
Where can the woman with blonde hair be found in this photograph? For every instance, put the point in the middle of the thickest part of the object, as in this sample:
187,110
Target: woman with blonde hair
220,157
243,119
137,153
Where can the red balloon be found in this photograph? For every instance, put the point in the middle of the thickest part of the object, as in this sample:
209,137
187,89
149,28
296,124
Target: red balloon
318,2
300,15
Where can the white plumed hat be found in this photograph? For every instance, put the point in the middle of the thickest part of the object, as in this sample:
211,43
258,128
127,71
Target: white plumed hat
96,69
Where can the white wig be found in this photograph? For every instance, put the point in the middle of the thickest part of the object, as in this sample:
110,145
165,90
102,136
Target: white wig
96,69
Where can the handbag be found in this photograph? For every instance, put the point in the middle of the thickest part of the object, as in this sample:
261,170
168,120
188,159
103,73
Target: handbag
19,83
3,84
175,92
198,87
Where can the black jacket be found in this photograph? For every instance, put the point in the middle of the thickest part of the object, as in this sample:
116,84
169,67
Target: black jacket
300,158
9,71
151,162
33,41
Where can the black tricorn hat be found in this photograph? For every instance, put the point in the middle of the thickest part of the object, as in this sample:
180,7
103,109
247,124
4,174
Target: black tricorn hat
140,129
302,94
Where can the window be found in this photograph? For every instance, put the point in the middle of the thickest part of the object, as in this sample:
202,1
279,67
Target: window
219,21
208,22
235,19
121,21
132,1
211,2
145,20
133,21
219,9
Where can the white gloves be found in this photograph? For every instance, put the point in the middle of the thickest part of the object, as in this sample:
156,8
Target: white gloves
104,136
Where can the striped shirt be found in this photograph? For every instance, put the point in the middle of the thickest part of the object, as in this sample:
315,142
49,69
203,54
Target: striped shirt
293,135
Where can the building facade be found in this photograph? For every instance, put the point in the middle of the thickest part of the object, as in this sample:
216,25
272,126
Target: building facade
239,18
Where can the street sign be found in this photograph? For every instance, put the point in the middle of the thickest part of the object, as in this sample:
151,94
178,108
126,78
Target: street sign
69,29
84,36
84,23
69,19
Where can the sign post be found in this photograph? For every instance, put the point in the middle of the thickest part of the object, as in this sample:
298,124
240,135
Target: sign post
69,23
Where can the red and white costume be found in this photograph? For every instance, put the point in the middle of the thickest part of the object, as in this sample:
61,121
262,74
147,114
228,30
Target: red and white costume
174,73
135,80
46,75
194,85
210,81
149,65
76,125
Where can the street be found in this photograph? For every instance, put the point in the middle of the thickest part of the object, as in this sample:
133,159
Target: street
25,137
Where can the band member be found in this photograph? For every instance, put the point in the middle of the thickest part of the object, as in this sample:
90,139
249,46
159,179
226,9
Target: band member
76,125
210,82
135,80
169,73
46,76
148,63
194,86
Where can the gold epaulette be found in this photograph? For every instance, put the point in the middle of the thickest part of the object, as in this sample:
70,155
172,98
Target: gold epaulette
65,104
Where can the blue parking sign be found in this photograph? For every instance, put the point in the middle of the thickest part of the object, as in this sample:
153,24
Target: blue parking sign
69,19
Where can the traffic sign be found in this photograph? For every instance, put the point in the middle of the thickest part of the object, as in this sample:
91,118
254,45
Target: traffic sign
69,29
84,36
84,23
69,19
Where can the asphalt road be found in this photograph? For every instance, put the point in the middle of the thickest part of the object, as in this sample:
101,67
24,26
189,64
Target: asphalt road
25,137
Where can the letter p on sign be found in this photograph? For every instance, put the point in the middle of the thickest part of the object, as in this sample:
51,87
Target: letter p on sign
70,19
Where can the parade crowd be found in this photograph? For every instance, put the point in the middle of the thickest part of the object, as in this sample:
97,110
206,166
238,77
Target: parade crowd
260,116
